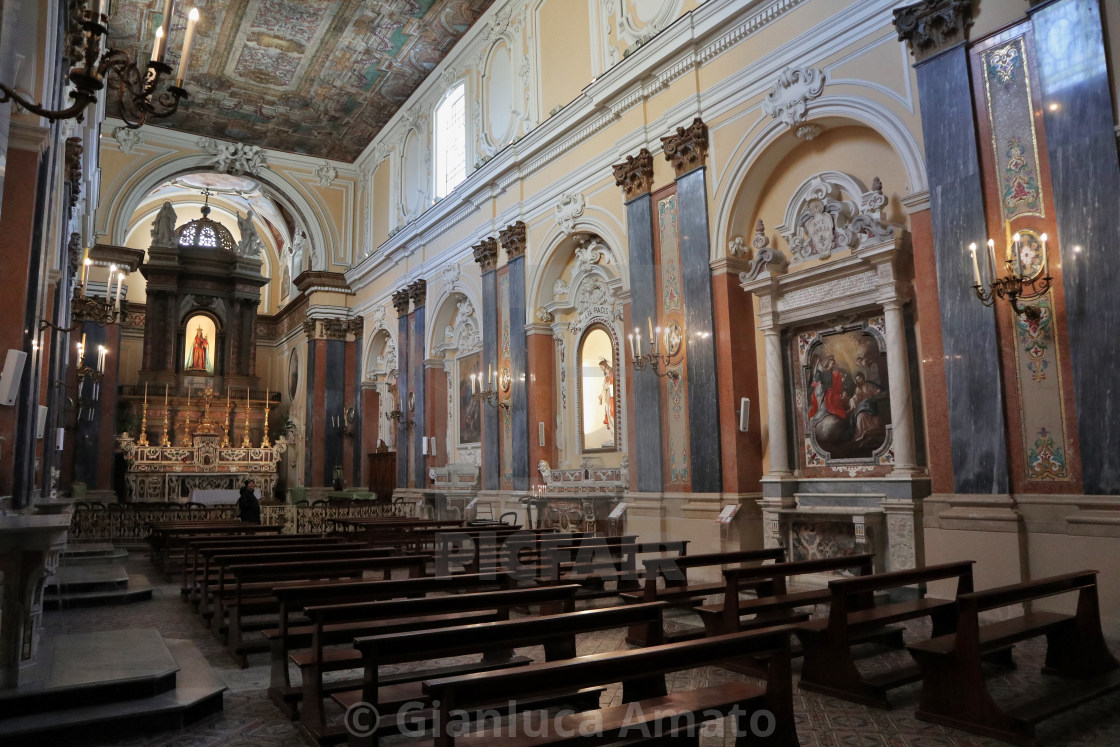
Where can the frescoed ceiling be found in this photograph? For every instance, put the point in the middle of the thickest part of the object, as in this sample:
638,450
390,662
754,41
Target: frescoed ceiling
320,77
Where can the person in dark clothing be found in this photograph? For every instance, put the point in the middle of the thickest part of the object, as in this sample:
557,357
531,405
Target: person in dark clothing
247,504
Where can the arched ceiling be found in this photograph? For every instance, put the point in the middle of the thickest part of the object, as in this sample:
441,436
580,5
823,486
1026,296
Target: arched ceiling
320,77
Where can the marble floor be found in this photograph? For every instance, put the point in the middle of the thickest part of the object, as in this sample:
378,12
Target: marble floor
250,719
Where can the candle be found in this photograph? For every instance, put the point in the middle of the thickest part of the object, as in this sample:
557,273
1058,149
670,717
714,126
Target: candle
992,258
489,374
657,340
145,394
188,396
474,385
165,390
109,283
247,403
156,44
227,398
1007,237
632,353
1018,254
650,323
975,265
166,26
120,287
82,344
638,340
1042,238
192,19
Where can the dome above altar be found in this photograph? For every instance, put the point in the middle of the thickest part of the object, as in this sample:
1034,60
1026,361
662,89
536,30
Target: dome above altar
204,233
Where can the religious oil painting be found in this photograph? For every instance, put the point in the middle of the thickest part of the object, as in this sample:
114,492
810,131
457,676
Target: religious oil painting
597,390
199,347
844,392
470,408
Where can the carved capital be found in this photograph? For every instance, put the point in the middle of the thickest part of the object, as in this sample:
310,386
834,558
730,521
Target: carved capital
310,328
635,174
400,301
486,254
933,25
417,291
688,149
513,239
73,157
339,329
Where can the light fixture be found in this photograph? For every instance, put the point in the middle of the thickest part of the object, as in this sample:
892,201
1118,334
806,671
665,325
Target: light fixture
672,338
1028,273
136,91
489,395
93,309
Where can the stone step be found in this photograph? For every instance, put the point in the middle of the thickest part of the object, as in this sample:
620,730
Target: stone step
137,589
198,694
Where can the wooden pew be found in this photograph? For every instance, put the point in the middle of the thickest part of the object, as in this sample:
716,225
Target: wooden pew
254,584
343,623
556,633
191,548
166,536
488,543
642,672
829,667
953,689
293,635
675,588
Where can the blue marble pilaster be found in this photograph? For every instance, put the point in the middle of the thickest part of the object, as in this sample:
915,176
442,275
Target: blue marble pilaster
643,305
417,377
491,456
703,387
972,371
334,407
356,445
309,416
519,366
402,400
1085,176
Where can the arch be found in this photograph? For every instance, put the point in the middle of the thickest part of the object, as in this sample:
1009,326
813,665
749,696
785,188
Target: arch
861,111
447,295
380,337
554,261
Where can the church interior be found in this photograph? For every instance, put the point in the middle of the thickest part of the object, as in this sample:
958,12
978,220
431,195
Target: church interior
719,371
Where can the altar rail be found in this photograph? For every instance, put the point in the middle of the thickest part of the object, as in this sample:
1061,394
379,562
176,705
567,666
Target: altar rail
128,522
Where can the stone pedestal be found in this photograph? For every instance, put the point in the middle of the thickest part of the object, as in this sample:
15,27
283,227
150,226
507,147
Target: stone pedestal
29,548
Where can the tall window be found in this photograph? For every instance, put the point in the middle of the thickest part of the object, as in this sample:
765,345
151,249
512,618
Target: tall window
451,141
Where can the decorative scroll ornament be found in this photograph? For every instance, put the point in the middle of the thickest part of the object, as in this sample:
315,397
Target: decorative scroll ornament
688,149
809,132
738,248
163,227
568,210
764,255
450,274
400,301
787,99
127,139
234,158
590,251
635,174
545,316
826,223
486,254
559,288
326,174
513,239
933,25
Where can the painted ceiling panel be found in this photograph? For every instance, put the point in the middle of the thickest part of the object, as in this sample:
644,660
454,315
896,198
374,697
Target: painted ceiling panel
320,77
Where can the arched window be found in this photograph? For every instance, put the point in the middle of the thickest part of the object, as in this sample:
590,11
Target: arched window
451,140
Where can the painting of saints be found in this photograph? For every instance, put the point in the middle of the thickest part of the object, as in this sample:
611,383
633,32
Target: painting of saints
470,409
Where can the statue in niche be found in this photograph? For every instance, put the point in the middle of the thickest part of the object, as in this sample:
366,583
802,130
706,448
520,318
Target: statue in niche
606,396
163,227
298,248
250,244
198,361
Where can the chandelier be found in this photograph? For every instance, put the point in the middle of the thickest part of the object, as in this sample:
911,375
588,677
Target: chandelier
1027,273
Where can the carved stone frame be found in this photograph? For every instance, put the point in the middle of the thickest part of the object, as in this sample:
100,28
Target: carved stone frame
606,326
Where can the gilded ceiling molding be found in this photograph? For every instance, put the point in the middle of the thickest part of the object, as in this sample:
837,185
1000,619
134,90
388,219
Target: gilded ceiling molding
418,291
400,301
513,239
635,175
486,254
688,149
933,25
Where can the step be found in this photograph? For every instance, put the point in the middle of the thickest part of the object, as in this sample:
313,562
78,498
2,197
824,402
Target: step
198,693
138,589
91,552
80,578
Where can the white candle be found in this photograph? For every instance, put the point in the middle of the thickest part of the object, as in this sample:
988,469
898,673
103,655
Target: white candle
638,340
165,390
145,394
975,265
632,353
192,19
992,258
657,340
166,19
109,283
489,374
474,385
1018,245
1046,270
650,323
157,43
120,287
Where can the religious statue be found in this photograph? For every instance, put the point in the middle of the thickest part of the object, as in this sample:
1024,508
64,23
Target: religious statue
250,244
297,248
163,227
198,360
606,396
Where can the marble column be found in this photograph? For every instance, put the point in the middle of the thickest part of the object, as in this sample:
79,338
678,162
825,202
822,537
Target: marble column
513,240
687,151
902,408
977,429
635,176
1085,177
417,291
776,404
400,303
486,254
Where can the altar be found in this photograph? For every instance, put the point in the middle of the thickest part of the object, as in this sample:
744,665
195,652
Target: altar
173,473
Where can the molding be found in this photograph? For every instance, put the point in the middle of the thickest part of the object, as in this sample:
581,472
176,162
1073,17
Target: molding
727,265
30,137
915,202
121,256
310,281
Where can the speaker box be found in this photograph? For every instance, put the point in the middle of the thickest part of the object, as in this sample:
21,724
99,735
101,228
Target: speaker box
744,414
10,378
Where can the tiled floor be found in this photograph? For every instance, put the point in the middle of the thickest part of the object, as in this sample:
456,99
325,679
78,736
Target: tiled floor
251,719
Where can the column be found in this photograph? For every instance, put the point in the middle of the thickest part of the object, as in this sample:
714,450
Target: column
1085,177
400,303
357,430
486,254
635,176
687,151
902,412
976,423
776,404
513,240
334,405
417,291
542,395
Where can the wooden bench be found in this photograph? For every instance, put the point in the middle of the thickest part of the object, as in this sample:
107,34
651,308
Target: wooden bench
495,641
675,587
649,709
252,593
191,563
953,688
451,548
343,623
829,667
167,536
293,634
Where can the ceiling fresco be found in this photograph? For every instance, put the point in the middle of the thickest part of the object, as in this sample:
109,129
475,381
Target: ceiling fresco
320,77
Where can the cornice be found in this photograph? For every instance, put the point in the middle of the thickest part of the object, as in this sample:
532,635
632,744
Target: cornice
310,281
121,256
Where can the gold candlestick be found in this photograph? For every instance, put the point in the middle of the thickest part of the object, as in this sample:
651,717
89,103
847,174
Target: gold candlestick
245,443
225,430
165,438
144,425
265,443
186,439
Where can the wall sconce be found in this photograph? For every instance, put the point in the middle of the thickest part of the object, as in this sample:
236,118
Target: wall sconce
399,415
136,90
1028,273
656,359
489,395
96,310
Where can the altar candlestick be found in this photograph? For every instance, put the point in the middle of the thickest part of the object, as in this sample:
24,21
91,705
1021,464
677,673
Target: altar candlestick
185,57
975,265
